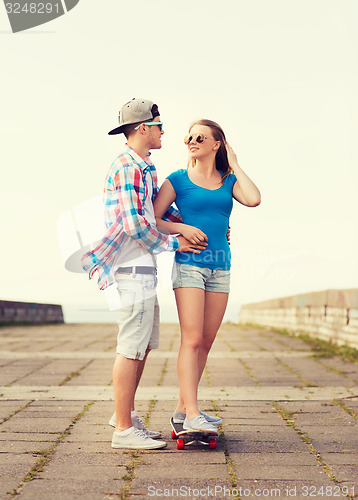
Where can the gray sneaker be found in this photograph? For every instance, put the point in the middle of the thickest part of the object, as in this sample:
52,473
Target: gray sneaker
212,419
199,423
136,439
138,423
179,418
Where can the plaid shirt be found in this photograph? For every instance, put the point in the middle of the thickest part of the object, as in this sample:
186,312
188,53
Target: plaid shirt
125,192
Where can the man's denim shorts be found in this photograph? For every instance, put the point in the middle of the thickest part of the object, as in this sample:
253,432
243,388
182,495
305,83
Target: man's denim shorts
211,280
138,317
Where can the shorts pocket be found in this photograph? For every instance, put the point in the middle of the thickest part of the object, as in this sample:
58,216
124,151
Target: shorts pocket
126,305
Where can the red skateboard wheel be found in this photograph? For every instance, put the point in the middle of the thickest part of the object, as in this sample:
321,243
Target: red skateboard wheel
212,443
180,444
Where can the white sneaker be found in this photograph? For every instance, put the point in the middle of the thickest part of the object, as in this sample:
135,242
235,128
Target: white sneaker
136,439
138,423
199,423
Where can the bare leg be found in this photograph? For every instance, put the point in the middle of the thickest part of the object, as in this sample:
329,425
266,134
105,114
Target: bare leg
215,306
141,364
190,304
124,385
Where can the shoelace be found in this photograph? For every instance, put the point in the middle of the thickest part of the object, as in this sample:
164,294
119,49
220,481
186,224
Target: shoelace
140,422
141,433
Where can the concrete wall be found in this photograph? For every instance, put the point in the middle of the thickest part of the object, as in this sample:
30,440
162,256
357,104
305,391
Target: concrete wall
26,312
329,315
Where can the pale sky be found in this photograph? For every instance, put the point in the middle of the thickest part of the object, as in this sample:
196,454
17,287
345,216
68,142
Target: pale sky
280,77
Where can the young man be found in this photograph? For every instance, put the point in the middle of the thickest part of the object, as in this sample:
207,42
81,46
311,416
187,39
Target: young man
126,257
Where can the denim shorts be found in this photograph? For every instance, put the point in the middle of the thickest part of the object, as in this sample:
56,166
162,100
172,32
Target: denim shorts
211,280
138,316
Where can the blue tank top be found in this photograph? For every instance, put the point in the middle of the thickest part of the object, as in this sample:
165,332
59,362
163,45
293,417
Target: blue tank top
209,210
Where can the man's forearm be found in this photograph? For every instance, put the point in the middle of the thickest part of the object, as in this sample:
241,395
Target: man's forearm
168,227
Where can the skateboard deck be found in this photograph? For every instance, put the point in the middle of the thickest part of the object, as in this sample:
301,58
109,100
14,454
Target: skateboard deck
185,437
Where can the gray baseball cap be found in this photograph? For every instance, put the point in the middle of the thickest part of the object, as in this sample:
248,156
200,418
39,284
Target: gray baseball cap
135,111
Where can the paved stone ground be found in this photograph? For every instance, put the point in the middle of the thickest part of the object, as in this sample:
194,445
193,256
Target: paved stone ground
289,420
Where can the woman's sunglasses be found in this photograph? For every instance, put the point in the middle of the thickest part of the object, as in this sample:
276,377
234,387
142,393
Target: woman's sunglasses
160,125
199,138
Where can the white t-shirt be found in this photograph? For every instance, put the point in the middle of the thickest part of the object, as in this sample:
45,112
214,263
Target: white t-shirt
133,254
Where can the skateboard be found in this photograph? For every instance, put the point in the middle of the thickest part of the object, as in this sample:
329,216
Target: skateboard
185,437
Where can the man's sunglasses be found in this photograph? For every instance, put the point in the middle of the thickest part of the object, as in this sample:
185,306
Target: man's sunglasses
160,125
199,138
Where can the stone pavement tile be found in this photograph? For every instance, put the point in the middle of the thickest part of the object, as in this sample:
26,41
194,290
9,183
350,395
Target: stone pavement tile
21,447
91,380
17,371
52,373
284,472
335,447
252,418
235,345
316,413
46,413
248,404
193,454
36,379
96,447
68,404
270,372
188,487
243,445
339,458
7,408
274,459
37,425
97,372
4,362
192,467
268,420
326,434
65,457
273,344
274,488
105,408
352,403
152,371
85,430
101,345
49,494
350,370
28,436
233,373
258,436
72,470
13,468
90,454
314,372
346,473
291,341
89,488
9,482
170,378
40,346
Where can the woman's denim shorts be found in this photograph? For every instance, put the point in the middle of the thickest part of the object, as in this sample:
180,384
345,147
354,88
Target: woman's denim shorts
211,280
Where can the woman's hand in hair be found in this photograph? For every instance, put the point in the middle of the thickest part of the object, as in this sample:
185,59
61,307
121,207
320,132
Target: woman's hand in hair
231,156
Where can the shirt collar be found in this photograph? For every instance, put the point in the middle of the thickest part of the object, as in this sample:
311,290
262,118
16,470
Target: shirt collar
143,163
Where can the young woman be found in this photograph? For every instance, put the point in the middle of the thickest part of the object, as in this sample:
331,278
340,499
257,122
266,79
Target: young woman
204,195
